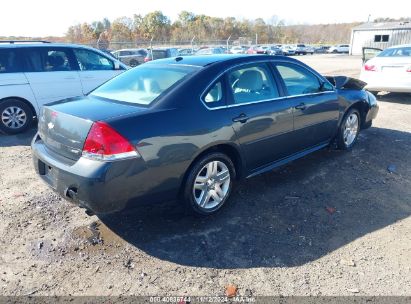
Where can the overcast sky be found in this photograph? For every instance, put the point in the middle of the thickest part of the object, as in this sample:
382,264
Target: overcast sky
53,17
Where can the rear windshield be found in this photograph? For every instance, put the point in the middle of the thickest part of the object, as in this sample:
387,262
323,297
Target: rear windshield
396,52
143,84
159,54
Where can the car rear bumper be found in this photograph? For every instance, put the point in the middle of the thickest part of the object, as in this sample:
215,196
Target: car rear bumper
377,81
101,187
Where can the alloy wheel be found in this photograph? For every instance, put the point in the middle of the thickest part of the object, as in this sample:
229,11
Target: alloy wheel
211,184
14,117
351,129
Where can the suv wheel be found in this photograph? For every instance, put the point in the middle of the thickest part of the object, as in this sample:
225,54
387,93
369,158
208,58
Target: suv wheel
209,183
15,116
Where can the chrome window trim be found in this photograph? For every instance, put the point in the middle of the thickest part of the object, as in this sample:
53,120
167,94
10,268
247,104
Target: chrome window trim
257,101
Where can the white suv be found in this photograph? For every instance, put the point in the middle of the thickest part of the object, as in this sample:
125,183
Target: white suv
33,74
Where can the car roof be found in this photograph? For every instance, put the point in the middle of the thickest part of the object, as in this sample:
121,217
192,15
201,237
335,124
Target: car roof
205,60
22,44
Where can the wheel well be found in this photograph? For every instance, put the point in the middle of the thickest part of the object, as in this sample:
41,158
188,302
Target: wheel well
23,100
228,150
362,107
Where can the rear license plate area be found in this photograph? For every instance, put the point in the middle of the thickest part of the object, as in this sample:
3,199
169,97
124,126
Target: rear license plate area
48,173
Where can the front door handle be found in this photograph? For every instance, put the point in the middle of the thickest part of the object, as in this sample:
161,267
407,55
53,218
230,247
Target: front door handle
301,106
241,118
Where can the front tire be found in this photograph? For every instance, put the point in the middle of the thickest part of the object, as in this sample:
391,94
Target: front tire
349,130
15,116
209,184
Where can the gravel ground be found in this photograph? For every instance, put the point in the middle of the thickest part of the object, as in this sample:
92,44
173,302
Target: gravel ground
332,223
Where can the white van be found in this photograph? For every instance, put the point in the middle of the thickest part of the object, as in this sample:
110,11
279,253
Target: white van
35,73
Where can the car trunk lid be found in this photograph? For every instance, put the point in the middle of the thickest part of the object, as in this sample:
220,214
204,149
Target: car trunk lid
64,126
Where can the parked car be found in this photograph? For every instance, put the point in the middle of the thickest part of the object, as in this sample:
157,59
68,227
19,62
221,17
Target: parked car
33,74
322,49
161,53
189,127
253,49
185,52
238,50
288,50
274,50
389,71
210,51
339,48
302,49
108,52
131,57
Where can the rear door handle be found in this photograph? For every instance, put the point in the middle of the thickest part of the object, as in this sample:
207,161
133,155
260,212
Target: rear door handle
241,118
301,106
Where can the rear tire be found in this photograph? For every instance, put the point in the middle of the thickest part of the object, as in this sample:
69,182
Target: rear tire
349,130
15,116
209,184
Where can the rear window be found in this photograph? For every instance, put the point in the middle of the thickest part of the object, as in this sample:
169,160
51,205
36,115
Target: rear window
9,62
159,54
143,84
396,52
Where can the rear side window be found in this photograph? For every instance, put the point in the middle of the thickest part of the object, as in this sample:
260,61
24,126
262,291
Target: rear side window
252,83
44,59
298,80
143,84
9,62
92,61
214,97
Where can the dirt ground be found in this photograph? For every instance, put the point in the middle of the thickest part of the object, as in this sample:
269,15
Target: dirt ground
332,223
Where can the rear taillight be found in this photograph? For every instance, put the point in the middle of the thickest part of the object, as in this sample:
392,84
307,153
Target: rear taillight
147,59
369,67
408,69
105,143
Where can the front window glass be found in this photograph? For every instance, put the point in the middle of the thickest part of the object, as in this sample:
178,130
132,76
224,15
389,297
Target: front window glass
92,61
396,52
143,84
298,80
252,83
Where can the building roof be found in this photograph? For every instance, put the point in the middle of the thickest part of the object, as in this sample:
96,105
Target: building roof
404,25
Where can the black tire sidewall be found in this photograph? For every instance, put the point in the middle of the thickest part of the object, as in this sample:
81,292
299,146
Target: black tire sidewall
340,138
188,196
21,104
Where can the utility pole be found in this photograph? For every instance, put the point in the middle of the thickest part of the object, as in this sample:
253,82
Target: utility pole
369,16
151,48
256,38
192,45
228,42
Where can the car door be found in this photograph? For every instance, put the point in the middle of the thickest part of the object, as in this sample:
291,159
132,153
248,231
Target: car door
262,117
52,74
94,68
315,105
369,53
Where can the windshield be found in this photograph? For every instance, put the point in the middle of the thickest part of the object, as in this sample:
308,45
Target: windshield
143,84
396,52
